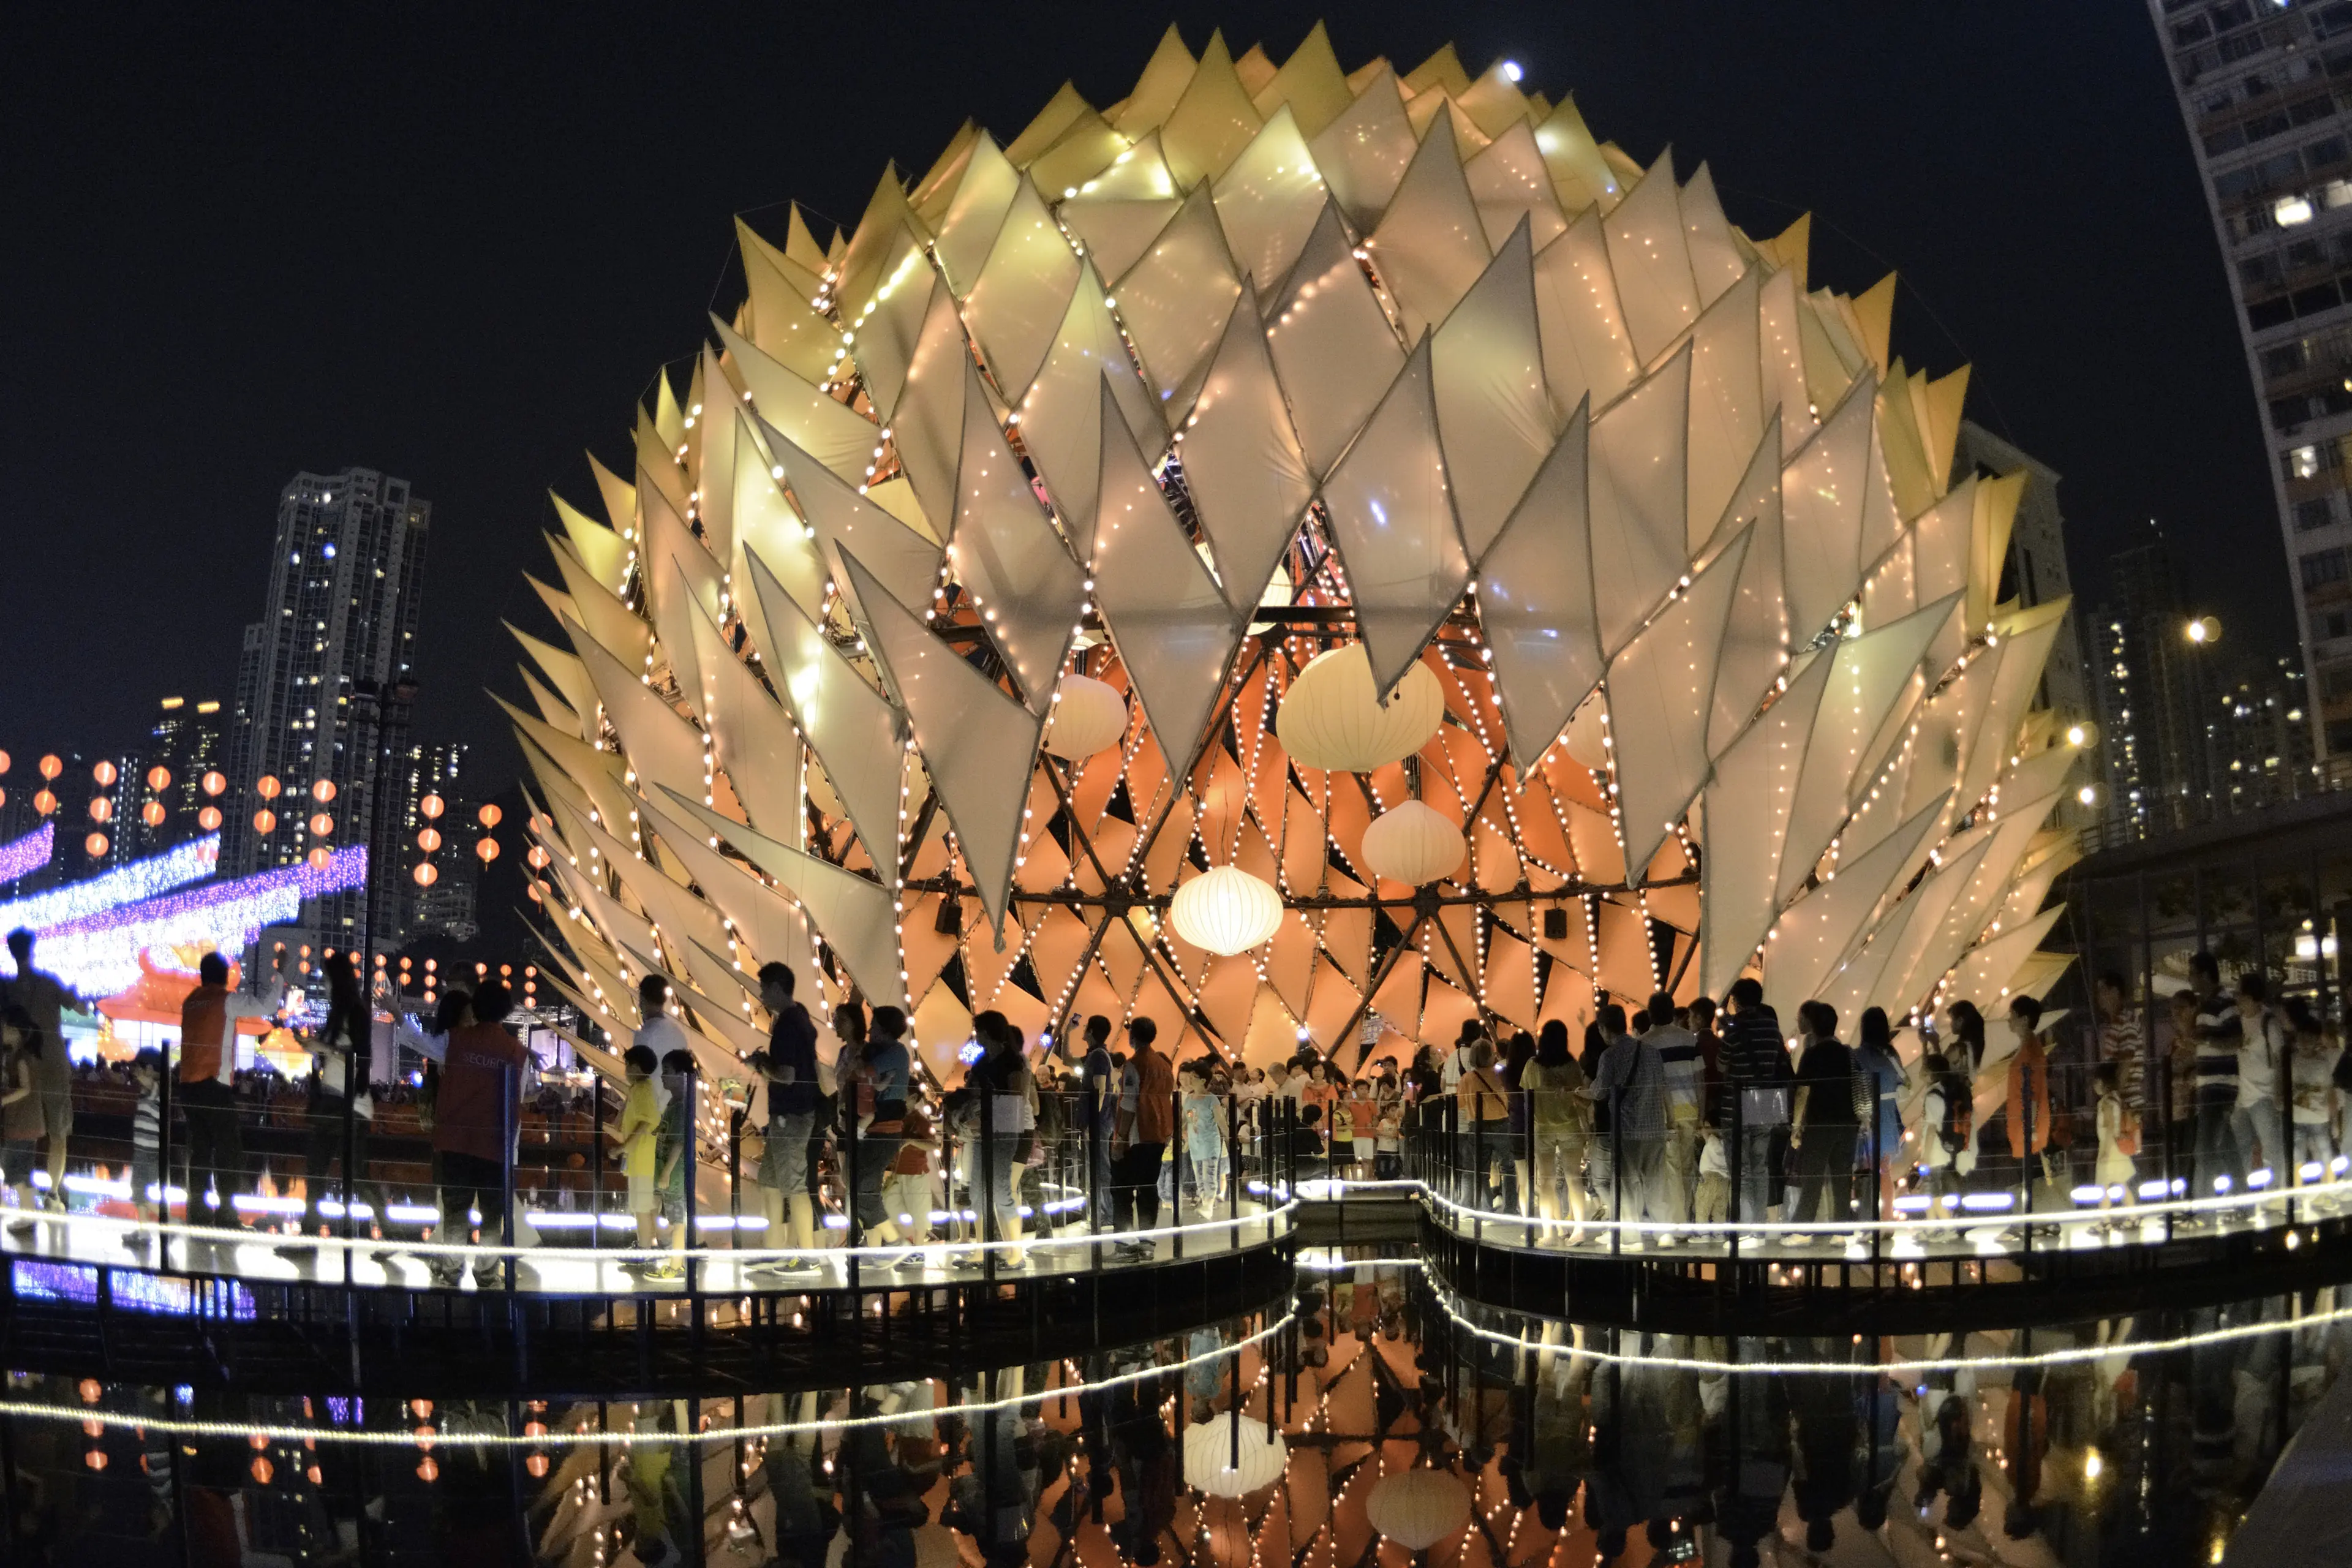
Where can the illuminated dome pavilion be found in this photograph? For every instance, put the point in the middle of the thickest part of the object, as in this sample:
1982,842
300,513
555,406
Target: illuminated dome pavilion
1295,553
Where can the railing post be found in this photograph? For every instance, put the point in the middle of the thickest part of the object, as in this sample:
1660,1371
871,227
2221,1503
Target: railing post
508,1098
352,1136
595,1160
1617,1170
690,1150
853,1172
1737,1212
991,1227
163,1167
1233,1189
1477,1179
1177,1157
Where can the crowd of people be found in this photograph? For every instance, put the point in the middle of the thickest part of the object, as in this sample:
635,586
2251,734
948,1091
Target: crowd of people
1675,1116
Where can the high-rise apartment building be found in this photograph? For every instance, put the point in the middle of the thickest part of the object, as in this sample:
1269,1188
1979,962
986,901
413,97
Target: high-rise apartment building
189,739
314,699
2266,89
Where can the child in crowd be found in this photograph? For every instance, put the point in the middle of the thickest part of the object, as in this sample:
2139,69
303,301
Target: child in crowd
2313,1085
673,1156
1387,1131
1204,1139
2118,1128
147,1143
638,1135
907,1187
1711,1204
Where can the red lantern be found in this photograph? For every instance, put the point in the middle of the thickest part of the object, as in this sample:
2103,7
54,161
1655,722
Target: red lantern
426,875
487,850
321,824
265,820
215,782
318,858
430,805
51,767
538,857
323,791
4,762
268,786
95,844
101,809
159,778
489,815
428,839
209,818
44,802
105,774
151,814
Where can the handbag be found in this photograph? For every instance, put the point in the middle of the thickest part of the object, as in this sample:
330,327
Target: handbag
1764,1107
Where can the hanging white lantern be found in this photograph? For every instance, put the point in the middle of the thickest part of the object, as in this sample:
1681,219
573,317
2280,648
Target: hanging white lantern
1210,1457
1419,1509
1088,715
1226,910
1331,718
1413,843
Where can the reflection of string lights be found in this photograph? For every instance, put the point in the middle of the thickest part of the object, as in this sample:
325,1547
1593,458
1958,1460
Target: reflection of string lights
175,868
23,857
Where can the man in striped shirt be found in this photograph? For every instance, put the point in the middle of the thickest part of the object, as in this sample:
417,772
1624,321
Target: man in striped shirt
2219,1033
1756,1073
1684,1067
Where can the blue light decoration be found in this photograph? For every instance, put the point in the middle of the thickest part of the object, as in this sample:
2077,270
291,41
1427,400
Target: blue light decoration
175,868
163,1294
23,857
96,951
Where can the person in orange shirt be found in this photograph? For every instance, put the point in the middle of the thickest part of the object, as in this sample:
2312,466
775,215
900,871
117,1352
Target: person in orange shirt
474,1128
208,1062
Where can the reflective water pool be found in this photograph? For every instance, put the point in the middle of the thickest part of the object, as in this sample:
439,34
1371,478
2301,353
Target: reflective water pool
1367,1419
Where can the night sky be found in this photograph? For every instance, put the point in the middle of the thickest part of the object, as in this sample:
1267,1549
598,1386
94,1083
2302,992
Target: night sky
453,243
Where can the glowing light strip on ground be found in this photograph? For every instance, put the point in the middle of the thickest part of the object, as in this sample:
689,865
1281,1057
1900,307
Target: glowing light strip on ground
23,857
97,955
175,868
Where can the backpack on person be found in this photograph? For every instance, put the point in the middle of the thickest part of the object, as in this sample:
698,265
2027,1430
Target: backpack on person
1959,1130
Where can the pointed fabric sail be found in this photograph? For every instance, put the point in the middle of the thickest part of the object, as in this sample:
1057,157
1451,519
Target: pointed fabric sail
903,562
1756,644
603,553
663,748
1006,555
851,727
1494,415
1808,939
1661,691
1430,246
832,432
1748,805
1362,154
607,618
1535,601
1651,256
1058,412
1173,303
1172,627
1393,521
1268,201
855,916
1511,185
774,931
977,743
1242,459
1638,505
749,737
1820,496
1332,345
1023,292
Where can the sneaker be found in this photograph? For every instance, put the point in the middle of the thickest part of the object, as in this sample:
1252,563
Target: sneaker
140,1238
23,1225
667,1268
913,1263
444,1276
785,1266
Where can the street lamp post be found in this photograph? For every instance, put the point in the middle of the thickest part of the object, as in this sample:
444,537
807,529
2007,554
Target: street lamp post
2202,631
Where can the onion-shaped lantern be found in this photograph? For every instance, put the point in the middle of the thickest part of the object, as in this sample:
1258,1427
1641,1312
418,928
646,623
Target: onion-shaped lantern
1419,1509
1226,910
1332,718
1088,715
1211,1462
1414,843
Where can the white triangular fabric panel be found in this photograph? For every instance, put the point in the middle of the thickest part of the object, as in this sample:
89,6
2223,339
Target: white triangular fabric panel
782,321
1983,976
1309,83
1173,303
719,428
1116,231
1822,497
1173,630
1268,201
661,747
749,736
927,427
771,928
605,552
563,668
1008,558
1784,360
1494,416
1508,181
559,714
903,561
608,620
1242,460
680,579
850,726
1059,414
1651,258
766,522
1023,292
1212,121
1363,153
1430,246
1393,521
1871,673
1661,690
1900,980
830,431
2024,649
978,743
856,917
1535,601
1714,257
1587,351
1756,644
982,198
1747,809
1332,345
890,327
1727,406
1638,485
1808,939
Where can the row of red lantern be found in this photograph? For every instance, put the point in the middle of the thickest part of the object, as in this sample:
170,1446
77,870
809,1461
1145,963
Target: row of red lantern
429,837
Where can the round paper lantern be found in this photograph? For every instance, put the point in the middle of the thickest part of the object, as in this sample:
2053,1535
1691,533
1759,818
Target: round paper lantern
318,858
488,849
1226,910
1331,719
101,809
538,857
1419,1509
268,786
215,782
105,774
265,820
1413,843
159,778
1088,715
323,791
51,767
426,875
44,802
321,824
95,844
4,762
209,818
430,805
490,816
428,839
151,814
1209,1458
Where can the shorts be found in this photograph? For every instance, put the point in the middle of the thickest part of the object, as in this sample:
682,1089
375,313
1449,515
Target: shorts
56,1116
1363,1148
641,1192
783,1164
146,1171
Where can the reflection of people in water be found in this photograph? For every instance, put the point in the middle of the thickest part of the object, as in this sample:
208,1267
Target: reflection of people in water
1755,1417
1147,1461
805,1517
1948,1461
1826,1439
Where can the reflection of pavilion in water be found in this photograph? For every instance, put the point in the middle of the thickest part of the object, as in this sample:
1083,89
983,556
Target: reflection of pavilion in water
1367,1421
